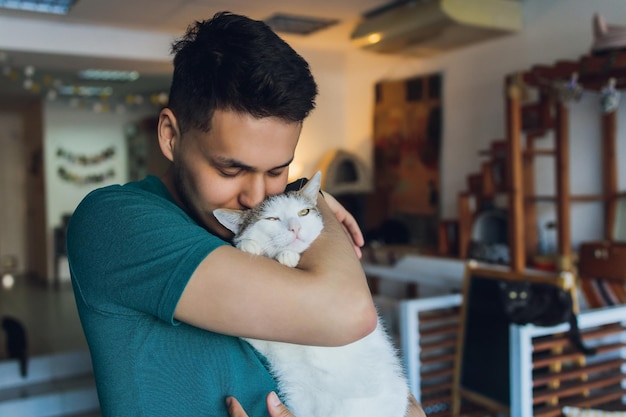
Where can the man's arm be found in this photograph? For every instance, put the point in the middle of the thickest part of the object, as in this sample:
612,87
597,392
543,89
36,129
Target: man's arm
348,222
324,301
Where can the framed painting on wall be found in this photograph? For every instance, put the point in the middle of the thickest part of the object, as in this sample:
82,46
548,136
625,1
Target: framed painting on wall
407,142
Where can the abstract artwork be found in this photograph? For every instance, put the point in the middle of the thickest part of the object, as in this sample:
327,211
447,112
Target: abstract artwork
407,143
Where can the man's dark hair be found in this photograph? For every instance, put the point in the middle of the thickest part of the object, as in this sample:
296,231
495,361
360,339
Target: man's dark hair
231,62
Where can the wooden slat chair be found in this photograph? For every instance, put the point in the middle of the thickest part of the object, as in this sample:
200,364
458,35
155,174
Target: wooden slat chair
482,368
526,371
429,328
547,374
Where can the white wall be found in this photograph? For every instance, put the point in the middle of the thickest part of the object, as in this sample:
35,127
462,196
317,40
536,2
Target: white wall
83,133
325,129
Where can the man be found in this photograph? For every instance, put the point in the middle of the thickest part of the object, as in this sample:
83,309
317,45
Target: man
162,297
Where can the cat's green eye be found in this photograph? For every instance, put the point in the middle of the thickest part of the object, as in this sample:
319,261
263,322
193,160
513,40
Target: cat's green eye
303,212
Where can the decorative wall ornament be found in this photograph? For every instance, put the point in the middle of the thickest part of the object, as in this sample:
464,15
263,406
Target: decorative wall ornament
609,97
83,160
571,90
408,117
74,158
85,179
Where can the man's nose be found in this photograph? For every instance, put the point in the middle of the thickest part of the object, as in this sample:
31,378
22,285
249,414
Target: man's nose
253,192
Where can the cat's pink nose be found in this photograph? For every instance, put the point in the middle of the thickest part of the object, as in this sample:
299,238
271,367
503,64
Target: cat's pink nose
294,227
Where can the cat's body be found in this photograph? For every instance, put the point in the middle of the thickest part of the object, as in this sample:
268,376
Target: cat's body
543,305
16,342
362,379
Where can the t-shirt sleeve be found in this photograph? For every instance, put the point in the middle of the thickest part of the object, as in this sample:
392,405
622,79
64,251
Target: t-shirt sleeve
133,253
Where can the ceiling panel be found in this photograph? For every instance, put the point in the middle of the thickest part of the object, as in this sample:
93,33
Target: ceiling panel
168,16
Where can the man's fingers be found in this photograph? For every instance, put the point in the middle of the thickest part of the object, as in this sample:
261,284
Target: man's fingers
276,407
234,408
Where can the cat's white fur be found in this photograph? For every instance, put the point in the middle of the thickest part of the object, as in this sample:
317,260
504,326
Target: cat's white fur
362,379
281,227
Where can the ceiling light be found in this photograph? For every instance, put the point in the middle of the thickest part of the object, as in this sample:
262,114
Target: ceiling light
85,91
108,75
41,6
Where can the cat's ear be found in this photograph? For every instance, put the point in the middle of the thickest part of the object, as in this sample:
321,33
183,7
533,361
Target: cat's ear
600,27
312,187
230,219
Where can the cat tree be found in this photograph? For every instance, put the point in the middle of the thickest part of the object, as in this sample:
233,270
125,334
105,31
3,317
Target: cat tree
557,84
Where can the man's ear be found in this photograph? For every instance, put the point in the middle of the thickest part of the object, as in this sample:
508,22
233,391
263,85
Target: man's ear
169,133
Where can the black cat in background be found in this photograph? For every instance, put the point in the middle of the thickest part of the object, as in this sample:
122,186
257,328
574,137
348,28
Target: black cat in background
16,342
543,305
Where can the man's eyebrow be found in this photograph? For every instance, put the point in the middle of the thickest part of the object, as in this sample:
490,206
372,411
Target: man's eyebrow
233,163
230,163
284,165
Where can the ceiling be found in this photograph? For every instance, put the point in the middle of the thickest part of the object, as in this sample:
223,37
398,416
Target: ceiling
171,17
174,15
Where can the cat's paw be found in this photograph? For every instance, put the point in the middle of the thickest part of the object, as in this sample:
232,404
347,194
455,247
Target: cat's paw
288,258
250,246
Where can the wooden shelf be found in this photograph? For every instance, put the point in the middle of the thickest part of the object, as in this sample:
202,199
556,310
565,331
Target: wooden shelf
572,198
539,152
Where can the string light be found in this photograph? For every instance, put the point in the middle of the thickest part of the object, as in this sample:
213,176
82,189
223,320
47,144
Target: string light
96,99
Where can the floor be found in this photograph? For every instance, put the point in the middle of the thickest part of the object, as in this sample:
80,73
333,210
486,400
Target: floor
49,315
51,320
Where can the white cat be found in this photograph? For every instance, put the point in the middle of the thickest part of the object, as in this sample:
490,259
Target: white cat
362,379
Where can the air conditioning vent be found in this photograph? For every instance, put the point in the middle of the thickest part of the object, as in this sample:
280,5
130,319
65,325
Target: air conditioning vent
430,27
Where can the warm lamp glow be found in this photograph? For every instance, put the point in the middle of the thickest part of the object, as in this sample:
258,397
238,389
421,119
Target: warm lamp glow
374,38
295,171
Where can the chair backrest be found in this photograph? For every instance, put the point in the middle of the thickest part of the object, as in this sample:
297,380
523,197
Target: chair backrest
428,334
546,376
482,371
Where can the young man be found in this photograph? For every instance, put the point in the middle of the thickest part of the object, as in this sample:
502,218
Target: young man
162,297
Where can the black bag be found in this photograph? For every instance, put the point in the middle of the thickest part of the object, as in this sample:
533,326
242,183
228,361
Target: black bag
542,305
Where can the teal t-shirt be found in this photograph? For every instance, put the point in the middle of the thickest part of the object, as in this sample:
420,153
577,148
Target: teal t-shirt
132,251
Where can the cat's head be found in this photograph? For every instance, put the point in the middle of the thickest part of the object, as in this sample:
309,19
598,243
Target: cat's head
289,221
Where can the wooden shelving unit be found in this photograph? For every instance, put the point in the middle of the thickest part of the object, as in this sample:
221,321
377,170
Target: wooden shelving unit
593,74
510,165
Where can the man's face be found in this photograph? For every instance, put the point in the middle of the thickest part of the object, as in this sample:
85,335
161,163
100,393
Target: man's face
239,162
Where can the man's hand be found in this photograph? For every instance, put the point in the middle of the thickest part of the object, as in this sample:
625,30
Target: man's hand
277,409
348,222
274,406
415,410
